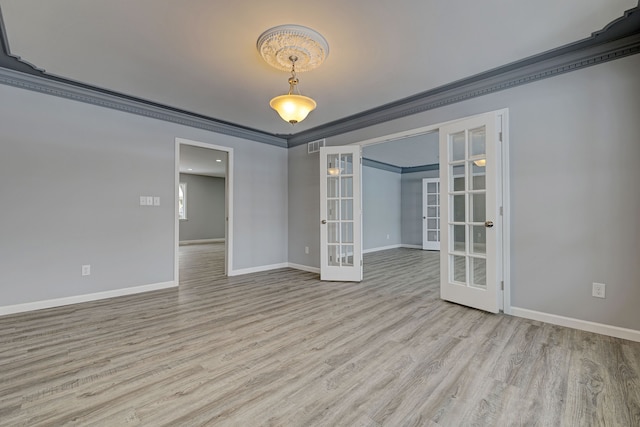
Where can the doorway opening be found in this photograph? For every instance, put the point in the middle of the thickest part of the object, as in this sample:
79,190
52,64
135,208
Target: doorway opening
204,207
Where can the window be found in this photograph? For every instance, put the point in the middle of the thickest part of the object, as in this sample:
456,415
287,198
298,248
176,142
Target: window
182,200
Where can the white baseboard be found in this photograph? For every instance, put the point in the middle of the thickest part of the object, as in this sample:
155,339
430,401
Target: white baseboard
200,241
304,268
76,299
583,325
381,248
258,269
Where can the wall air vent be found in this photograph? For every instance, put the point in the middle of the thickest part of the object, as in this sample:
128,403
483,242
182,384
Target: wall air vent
314,146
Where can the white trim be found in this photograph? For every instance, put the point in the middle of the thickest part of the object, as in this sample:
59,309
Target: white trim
77,299
201,241
381,248
229,203
304,268
583,325
506,213
258,269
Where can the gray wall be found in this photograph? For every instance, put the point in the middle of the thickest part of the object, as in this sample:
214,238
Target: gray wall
574,155
71,175
205,208
380,208
412,206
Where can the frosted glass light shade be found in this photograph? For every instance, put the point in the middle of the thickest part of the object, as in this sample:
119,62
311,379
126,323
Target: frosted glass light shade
293,108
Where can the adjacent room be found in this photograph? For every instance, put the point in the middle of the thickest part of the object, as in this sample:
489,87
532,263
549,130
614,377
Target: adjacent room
333,213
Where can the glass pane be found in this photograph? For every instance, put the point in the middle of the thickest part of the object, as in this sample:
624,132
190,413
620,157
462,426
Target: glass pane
477,141
457,146
347,232
458,208
432,187
332,186
459,268
478,239
333,213
347,209
478,207
432,224
478,177
347,187
432,236
346,164
333,232
332,164
347,255
334,259
458,238
432,199
457,174
478,272
432,212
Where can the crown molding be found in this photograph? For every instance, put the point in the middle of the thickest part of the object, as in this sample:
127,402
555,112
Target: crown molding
618,39
399,169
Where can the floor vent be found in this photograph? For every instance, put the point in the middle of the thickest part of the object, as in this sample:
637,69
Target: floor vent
314,146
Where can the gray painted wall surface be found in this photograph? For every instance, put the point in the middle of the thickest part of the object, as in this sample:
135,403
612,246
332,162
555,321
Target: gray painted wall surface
380,208
574,155
412,206
81,171
205,208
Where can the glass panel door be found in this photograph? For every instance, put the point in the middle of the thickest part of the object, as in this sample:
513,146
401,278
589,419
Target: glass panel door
470,255
341,224
431,214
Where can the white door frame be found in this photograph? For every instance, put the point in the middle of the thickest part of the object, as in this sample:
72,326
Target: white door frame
228,238
506,217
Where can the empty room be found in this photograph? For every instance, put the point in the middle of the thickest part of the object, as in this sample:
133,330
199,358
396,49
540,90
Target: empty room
363,213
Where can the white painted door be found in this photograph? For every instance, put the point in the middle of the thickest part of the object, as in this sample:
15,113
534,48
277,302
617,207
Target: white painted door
340,214
431,214
471,241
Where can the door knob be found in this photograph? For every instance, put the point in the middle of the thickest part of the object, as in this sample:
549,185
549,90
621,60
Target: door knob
488,224
324,221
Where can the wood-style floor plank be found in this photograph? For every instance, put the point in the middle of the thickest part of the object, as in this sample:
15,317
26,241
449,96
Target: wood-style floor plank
281,348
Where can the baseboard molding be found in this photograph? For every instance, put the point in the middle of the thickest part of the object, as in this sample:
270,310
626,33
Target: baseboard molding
200,241
304,268
258,269
381,248
583,325
77,299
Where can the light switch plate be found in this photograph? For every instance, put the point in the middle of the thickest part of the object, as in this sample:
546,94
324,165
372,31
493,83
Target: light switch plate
149,200
143,200
156,201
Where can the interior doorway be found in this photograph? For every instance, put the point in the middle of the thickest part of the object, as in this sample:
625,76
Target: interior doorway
499,163
204,203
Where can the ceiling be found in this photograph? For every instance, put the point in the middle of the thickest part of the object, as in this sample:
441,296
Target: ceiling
418,150
202,161
200,55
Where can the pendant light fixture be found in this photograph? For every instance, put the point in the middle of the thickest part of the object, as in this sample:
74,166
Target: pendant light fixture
296,49
292,107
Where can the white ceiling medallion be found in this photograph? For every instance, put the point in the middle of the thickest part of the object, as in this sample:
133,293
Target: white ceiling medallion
278,44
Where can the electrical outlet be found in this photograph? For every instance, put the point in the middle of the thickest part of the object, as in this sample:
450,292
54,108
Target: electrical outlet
86,270
306,250
598,290
388,236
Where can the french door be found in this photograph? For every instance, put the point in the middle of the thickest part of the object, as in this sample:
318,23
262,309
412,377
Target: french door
471,224
431,214
340,214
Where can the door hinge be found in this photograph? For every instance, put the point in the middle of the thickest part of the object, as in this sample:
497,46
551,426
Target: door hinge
360,263
501,211
500,136
502,285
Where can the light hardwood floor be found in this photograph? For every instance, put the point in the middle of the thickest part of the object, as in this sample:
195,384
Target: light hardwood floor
281,348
